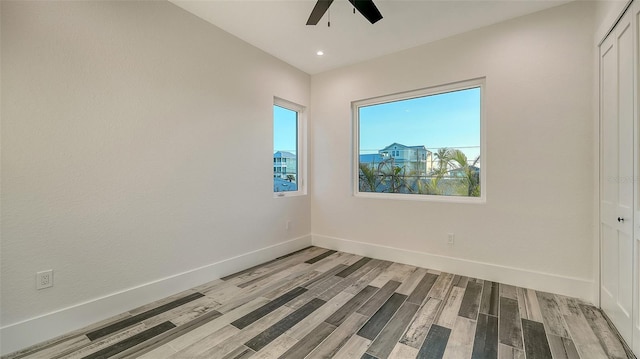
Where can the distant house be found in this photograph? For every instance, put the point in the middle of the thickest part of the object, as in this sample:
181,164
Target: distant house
414,159
284,163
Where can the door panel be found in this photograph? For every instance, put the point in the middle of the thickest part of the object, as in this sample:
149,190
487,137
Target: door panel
617,190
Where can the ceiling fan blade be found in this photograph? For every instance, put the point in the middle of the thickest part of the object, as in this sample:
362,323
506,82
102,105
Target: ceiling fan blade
318,11
368,9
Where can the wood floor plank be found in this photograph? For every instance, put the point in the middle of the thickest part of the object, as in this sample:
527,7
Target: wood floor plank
412,281
510,324
115,327
263,339
186,312
314,319
58,349
131,341
339,258
460,344
508,291
240,353
551,315
471,301
585,340
309,342
161,352
485,344
207,329
320,257
246,334
536,345
104,342
328,348
196,348
396,272
314,292
351,306
562,348
442,286
354,348
375,324
276,348
452,306
507,352
435,343
388,337
379,298
352,268
368,277
608,339
402,351
264,267
528,305
250,318
417,331
490,298
423,288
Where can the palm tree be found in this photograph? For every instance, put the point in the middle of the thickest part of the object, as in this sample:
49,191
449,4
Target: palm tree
291,178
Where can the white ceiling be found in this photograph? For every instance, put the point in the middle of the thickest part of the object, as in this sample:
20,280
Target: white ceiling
278,26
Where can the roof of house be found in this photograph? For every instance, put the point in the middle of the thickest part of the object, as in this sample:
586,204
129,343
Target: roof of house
283,154
420,147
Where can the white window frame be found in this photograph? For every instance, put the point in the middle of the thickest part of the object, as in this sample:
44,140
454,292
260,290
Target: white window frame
301,151
428,91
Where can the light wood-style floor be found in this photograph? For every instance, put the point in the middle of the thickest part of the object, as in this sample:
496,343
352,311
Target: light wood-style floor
319,303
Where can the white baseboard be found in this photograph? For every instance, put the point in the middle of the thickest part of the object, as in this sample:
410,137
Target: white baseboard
23,334
547,282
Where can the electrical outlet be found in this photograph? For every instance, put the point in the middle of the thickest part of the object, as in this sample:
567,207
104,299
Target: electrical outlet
287,226
44,279
451,238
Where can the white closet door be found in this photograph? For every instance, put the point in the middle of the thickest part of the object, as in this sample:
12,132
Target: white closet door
617,198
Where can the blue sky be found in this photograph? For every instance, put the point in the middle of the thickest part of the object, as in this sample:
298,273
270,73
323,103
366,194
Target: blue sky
284,129
446,120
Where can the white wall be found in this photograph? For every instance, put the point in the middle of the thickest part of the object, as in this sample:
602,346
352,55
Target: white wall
136,145
536,228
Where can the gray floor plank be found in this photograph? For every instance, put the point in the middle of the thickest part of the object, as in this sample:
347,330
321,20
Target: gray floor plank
490,298
471,301
375,324
250,318
423,288
608,339
510,324
461,340
562,348
551,315
417,331
378,299
485,344
263,339
384,343
536,345
435,343
306,345
337,339
351,306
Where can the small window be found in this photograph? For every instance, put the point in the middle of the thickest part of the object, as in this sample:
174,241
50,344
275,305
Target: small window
288,148
435,140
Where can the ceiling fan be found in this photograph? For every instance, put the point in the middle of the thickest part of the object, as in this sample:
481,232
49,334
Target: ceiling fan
366,7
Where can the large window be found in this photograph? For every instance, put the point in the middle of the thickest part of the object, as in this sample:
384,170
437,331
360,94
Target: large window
425,144
287,148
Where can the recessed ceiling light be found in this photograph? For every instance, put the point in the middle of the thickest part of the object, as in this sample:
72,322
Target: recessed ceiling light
320,53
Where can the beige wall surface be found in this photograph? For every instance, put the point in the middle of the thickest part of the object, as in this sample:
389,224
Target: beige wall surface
136,144
539,159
